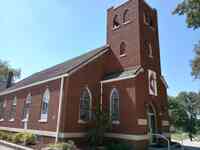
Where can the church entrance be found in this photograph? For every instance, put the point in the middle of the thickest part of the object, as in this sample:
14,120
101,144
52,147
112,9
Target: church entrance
152,123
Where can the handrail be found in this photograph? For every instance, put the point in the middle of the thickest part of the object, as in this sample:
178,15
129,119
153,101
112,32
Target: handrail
163,137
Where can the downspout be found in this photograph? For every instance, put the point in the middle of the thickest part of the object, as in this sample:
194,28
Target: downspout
59,108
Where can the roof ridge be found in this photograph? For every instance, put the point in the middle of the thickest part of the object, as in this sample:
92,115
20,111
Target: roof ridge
57,70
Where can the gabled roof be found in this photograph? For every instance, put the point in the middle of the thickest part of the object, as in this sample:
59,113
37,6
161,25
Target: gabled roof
123,74
57,70
126,74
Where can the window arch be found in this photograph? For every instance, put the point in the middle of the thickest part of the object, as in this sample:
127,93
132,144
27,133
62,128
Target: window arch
114,105
85,105
27,105
45,105
126,16
148,20
116,22
122,49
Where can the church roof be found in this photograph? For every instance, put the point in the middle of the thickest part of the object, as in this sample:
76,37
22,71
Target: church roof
123,74
57,70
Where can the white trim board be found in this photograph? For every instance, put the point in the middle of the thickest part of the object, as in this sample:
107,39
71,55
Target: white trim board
133,137
37,132
89,60
34,84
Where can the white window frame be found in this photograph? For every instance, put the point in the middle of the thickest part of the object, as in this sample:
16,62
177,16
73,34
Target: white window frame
111,106
27,102
3,107
90,107
44,116
14,104
150,50
124,17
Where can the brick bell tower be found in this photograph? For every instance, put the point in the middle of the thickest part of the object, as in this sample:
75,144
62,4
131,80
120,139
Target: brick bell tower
132,33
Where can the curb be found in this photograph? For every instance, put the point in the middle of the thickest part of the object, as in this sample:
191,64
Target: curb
15,146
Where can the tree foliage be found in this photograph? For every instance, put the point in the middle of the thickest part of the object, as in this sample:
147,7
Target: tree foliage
191,9
184,110
5,68
196,62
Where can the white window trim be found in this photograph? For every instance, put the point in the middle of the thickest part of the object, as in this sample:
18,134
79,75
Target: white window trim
123,55
44,116
2,119
27,102
24,120
80,121
12,120
114,121
42,120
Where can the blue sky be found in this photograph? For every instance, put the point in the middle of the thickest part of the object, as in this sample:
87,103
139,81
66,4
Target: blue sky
36,34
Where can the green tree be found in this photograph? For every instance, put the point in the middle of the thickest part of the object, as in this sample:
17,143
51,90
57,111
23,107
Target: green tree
101,123
5,68
191,9
196,62
183,110
178,115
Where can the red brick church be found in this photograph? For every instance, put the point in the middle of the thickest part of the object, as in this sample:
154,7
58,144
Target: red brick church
124,75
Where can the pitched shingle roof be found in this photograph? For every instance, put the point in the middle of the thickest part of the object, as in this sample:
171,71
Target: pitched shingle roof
57,70
123,74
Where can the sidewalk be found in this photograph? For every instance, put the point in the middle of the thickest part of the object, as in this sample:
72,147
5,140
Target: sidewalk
5,148
192,144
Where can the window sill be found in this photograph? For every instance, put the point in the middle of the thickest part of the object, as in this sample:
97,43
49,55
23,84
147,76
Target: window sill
123,55
1,119
12,120
82,122
25,120
127,22
116,122
42,120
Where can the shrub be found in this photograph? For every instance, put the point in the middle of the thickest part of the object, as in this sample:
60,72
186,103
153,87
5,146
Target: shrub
63,146
4,135
102,123
119,146
29,138
25,138
17,138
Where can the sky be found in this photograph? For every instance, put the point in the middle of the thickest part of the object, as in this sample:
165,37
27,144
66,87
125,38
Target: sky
37,34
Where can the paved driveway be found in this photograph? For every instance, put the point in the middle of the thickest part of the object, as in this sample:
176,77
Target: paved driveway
5,148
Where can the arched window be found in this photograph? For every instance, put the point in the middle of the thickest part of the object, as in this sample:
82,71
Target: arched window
13,109
126,16
27,105
115,22
2,109
149,48
45,105
85,105
148,20
122,49
114,105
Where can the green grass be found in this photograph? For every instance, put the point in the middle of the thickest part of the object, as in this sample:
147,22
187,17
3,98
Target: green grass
179,136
